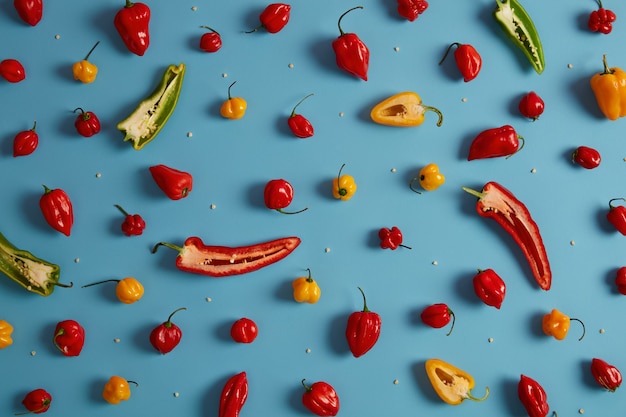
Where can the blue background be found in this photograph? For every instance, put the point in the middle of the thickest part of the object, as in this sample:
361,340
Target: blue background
232,160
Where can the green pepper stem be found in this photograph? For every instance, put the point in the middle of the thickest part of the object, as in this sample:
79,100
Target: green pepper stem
341,32
121,209
310,278
59,284
100,282
471,397
211,29
291,212
607,70
341,191
91,50
475,193
429,108
520,138
582,324
34,125
457,44
306,387
167,245
452,327
365,309
413,182
611,206
168,323
229,96
293,112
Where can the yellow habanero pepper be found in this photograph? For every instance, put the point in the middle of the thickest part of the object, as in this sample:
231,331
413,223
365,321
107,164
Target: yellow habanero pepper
5,334
344,186
556,324
84,70
306,290
128,290
429,177
451,384
234,107
116,390
609,87
402,110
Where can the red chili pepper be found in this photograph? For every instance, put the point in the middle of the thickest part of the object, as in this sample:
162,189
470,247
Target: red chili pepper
620,280
210,41
37,401
531,106
607,376
411,9
274,18
601,20
533,397
391,238
278,194
234,395
437,316
617,216
12,70
166,336
489,287
174,183
496,142
57,209
132,23
69,337
352,55
586,157
30,11
320,398
25,142
300,126
363,330
498,203
467,59
221,261
87,123
133,224
244,330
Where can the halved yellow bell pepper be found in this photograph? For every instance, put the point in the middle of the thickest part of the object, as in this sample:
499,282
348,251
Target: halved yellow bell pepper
402,110
5,334
451,384
609,87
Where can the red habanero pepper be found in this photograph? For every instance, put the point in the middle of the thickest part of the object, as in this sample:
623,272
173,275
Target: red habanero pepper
133,224
437,316
12,70
495,142
234,395
57,209
166,336
531,106
601,20
497,203
467,59
25,142
533,397
174,183
300,126
37,401
244,330
274,18
351,53
133,25
607,376
363,329
87,123
489,287
620,280
391,238
210,41
411,9
617,216
69,337
30,11
586,157
320,398
278,194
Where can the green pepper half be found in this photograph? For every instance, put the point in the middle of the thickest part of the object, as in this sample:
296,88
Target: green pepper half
147,120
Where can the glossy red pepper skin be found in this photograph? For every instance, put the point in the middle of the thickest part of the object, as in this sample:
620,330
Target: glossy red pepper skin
437,316
363,330
351,53
132,22
37,401
467,58
300,126
620,280
533,397
234,395
606,375
166,336
278,194
275,17
531,106
320,398
12,70
617,216
586,157
25,142
174,183
133,224
87,123
210,41
57,210
244,330
69,337
601,20
489,287
30,11
391,238
495,143
411,9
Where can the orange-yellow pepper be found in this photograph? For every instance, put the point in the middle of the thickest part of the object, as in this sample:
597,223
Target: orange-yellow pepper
609,87
306,290
127,290
234,107
84,70
429,177
344,186
5,334
556,324
116,390
449,382
402,110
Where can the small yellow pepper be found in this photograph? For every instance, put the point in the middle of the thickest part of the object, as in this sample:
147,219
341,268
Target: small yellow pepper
306,290
344,186
451,384
556,324
402,110
116,390
5,334
609,87
127,290
234,107
429,177
84,70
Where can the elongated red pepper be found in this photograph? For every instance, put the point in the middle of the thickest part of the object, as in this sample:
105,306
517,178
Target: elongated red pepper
586,157
234,395
221,261
133,24
174,183
363,330
69,337
489,287
498,203
607,376
57,209
274,18
351,53
30,11
467,59
496,142
533,397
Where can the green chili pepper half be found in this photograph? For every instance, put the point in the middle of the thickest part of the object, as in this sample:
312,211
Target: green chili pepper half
518,26
147,120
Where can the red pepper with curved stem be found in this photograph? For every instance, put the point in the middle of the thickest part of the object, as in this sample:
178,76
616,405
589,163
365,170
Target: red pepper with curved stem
166,336
586,157
351,53
244,330
320,398
411,9
607,376
531,106
533,397
467,59
300,126
497,203
12,70
391,238
489,287
437,316
133,224
495,142
30,11
617,216
274,18
601,20
174,183
87,123
220,261
57,209
132,22
25,142
234,395
69,337
37,401
363,329
210,41
278,194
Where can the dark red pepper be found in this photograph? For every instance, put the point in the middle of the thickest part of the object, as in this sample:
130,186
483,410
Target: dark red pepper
437,316
411,9
166,336
37,401
320,398
133,224
391,238
87,123
607,376
601,20
496,142
234,395
489,287
586,157
617,216
467,59
174,183
351,53
363,330
133,24
30,11
300,126
533,397
620,280
274,18
69,337
244,330
531,106
210,41
25,142
57,209
278,194
12,70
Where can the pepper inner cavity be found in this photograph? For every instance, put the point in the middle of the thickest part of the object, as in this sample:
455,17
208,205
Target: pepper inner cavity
398,110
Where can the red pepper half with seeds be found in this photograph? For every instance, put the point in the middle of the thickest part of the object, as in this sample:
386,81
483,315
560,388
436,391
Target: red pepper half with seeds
221,261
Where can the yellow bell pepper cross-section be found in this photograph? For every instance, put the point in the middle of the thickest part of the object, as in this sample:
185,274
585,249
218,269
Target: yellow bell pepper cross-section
402,110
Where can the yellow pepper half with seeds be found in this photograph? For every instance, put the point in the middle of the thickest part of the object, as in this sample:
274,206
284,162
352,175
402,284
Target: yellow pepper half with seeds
609,87
306,290
451,384
344,186
5,334
402,110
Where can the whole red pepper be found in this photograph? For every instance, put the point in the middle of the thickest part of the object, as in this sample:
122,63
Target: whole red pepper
620,280
87,123
533,397
69,337
617,216
467,59
210,41
351,53
391,238
300,126
133,224
12,70
57,209
531,106
586,157
278,194
496,142
166,336
320,398
30,11
607,376
437,316
363,330
25,142
234,395
411,9
37,401
601,20
274,18
133,24
174,183
244,330
489,287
